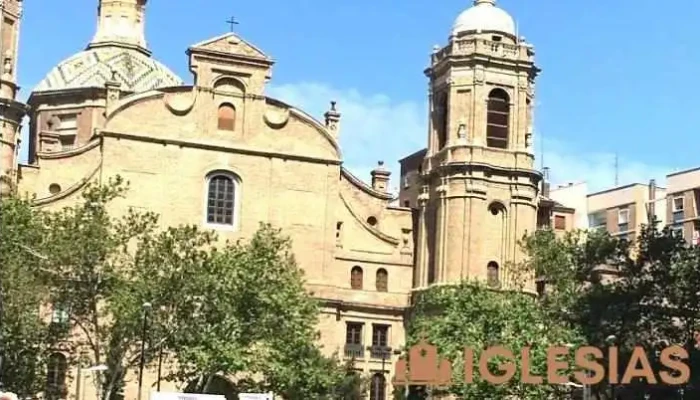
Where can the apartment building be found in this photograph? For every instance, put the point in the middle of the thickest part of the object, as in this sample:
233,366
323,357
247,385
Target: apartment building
683,203
574,196
623,210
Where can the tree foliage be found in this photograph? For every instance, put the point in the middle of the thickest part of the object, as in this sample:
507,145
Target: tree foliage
622,293
233,310
25,337
474,316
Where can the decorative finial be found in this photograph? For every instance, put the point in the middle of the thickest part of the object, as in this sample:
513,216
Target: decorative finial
333,106
380,163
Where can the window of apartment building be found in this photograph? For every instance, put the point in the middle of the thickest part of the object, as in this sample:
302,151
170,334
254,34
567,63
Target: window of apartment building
492,274
406,181
678,208
353,340
597,220
623,219
560,222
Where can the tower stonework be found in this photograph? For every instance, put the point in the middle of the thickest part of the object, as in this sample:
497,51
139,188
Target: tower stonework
479,190
11,111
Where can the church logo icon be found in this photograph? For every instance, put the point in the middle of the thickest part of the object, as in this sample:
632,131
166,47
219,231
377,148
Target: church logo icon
424,368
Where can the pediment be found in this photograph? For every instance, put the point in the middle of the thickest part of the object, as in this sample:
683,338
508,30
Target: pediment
230,44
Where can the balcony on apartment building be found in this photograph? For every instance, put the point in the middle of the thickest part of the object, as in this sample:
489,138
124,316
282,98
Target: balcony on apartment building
683,204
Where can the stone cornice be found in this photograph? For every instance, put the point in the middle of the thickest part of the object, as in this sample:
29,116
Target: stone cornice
355,306
68,153
218,147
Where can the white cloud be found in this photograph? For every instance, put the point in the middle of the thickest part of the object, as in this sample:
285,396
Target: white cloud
598,169
375,127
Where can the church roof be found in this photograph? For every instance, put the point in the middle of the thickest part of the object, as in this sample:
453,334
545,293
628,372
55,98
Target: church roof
136,71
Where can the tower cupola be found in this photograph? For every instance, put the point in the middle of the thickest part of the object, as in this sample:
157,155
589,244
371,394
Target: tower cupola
484,17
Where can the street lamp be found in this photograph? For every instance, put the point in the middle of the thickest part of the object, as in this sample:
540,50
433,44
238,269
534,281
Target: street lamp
146,308
383,352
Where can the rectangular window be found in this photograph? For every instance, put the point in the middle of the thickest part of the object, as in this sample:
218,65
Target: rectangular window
559,222
623,219
353,333
60,315
678,209
353,340
597,220
678,204
380,341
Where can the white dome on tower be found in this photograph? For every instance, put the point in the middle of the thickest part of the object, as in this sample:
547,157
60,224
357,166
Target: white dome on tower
484,16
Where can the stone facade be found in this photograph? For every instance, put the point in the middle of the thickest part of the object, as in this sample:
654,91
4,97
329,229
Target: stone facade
465,201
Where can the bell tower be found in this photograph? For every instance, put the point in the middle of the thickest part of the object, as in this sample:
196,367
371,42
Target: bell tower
480,189
11,111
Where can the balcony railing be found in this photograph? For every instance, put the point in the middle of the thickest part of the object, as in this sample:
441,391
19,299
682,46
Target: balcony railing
354,350
380,351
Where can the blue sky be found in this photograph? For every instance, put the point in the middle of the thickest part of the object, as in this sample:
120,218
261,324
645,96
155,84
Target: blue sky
614,77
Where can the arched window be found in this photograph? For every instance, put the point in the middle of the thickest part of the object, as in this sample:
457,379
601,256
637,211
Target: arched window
378,389
227,117
57,367
498,118
441,124
356,278
492,275
221,199
382,280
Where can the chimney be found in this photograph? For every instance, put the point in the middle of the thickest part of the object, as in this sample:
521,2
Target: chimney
545,182
652,201
380,178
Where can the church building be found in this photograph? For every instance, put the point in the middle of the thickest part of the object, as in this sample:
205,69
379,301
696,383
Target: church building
222,154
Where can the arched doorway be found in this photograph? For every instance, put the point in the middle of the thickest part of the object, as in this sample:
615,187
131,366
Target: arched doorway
218,385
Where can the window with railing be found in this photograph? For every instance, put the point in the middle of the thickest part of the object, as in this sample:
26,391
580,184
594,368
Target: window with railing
678,209
353,340
380,341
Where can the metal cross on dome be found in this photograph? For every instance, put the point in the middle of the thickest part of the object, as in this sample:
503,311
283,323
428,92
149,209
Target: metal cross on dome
232,21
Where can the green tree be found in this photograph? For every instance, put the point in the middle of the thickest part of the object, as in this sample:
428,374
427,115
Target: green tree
251,316
25,337
474,316
616,292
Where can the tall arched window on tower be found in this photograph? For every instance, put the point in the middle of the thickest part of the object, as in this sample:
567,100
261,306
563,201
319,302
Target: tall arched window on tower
441,122
356,277
221,198
57,366
492,274
378,389
498,118
227,117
